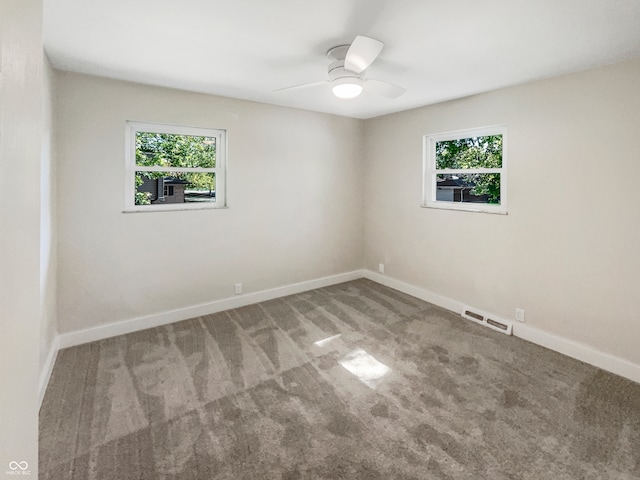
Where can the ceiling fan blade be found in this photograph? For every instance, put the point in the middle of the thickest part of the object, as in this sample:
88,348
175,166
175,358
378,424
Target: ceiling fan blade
304,85
362,52
384,89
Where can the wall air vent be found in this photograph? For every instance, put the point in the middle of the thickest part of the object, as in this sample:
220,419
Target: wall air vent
487,319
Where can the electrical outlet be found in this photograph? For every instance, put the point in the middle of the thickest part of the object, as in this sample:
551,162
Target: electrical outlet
238,288
520,314
381,267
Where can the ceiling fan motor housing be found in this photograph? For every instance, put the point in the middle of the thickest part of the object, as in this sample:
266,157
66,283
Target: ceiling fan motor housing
336,67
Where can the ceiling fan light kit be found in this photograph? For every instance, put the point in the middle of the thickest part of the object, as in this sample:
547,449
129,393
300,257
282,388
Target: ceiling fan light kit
348,62
349,87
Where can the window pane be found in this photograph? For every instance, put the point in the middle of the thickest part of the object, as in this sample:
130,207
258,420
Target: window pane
472,188
173,150
472,152
153,188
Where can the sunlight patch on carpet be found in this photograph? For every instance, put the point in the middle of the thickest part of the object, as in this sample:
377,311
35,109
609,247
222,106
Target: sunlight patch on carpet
324,341
368,370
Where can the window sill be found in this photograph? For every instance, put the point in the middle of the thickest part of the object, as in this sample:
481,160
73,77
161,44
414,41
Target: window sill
172,208
467,208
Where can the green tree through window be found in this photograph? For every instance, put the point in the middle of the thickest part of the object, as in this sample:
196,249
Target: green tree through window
169,150
472,153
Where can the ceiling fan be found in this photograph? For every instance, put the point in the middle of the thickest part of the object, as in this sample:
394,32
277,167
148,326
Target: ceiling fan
346,71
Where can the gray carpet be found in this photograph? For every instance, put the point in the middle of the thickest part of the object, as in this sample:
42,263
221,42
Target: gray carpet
394,388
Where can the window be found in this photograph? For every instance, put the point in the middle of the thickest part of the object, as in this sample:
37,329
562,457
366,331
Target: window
466,170
174,168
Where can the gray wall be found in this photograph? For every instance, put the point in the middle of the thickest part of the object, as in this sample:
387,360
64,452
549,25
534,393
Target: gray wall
294,192
567,252
25,163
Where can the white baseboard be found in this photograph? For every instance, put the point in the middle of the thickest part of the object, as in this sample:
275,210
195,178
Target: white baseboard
162,318
562,345
417,292
579,351
47,368
570,348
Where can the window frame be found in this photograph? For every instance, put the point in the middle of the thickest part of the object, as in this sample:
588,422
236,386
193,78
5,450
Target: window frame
220,170
430,172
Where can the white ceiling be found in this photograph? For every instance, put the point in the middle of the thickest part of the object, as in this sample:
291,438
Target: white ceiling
436,49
